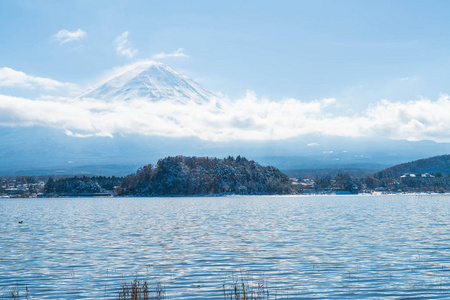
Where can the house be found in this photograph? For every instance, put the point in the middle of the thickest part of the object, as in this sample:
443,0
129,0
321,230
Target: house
410,178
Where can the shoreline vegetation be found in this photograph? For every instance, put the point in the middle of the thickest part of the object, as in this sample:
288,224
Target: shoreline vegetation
205,176
240,288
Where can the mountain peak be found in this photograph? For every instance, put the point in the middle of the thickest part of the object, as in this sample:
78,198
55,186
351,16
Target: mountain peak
150,80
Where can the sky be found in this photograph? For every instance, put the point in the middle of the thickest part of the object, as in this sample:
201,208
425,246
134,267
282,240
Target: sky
370,68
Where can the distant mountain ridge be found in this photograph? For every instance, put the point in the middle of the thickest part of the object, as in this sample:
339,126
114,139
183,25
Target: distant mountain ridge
428,165
50,151
152,81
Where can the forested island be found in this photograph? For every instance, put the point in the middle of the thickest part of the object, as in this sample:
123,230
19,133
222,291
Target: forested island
182,175
187,176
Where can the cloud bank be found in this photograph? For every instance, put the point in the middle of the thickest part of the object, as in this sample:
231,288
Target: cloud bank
64,36
13,78
124,46
248,118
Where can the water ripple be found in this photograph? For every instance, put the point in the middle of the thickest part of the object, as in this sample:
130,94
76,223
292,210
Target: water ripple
317,247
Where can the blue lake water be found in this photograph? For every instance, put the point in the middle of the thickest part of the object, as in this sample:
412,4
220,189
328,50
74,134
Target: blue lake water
308,247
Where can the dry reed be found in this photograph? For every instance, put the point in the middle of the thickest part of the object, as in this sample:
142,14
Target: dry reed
14,294
246,289
239,289
137,291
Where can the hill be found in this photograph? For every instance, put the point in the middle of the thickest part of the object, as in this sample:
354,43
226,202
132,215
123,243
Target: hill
182,175
436,164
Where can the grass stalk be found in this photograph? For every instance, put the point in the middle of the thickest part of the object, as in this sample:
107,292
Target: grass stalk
140,291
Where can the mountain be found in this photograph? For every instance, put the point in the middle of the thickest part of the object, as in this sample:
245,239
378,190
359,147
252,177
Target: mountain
151,81
38,150
429,165
45,151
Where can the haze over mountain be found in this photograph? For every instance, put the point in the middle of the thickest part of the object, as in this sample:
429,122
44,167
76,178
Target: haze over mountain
148,111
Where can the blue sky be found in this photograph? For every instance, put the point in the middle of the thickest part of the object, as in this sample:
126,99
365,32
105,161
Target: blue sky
356,52
353,50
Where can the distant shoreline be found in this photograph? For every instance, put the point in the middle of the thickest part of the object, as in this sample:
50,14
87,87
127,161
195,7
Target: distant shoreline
235,195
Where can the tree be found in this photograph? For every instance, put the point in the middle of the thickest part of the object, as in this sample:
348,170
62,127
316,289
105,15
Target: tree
49,186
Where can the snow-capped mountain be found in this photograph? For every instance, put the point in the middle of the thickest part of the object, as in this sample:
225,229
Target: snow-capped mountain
153,81
49,149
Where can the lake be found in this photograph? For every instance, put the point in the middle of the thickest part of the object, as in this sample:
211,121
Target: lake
306,247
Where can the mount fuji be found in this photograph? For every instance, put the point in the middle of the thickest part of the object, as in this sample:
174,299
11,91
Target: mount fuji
41,150
151,81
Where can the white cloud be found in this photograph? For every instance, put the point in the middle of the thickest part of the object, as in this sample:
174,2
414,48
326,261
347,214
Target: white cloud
412,120
18,79
249,118
64,36
312,144
124,46
178,53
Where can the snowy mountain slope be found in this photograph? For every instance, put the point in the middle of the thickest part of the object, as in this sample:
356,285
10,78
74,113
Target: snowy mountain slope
153,81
